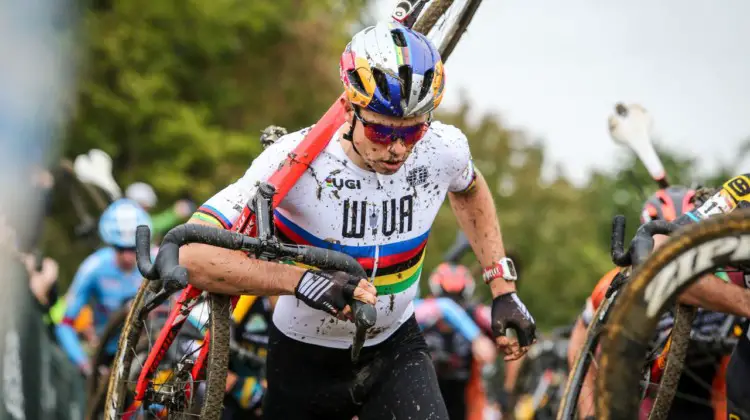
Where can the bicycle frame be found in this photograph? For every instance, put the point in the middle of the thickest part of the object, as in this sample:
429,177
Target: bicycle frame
283,180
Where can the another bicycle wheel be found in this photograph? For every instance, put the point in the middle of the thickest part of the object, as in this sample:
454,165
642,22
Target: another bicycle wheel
445,21
691,253
100,358
173,376
569,406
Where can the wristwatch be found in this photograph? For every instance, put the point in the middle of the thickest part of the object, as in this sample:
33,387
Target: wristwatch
504,269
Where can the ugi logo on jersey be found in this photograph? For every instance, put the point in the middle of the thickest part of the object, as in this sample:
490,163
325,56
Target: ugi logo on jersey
339,183
396,215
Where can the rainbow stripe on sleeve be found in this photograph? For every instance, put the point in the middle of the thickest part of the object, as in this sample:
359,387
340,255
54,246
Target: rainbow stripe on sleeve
213,216
399,264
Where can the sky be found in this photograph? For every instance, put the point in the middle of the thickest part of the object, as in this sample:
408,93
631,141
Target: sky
556,69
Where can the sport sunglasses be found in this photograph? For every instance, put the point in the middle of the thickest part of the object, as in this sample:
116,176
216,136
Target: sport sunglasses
385,134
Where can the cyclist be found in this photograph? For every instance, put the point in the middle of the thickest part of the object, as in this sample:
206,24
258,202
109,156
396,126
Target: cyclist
460,348
666,204
373,193
246,384
728,298
109,276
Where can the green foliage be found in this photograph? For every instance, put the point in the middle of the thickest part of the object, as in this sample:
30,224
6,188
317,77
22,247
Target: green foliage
177,91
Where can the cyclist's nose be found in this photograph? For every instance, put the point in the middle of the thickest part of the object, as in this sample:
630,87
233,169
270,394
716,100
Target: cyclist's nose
398,148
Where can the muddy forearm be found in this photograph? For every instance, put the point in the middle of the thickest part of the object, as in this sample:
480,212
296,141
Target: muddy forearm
712,293
224,271
477,217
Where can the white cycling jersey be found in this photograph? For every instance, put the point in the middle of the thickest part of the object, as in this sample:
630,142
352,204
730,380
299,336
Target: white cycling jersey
381,220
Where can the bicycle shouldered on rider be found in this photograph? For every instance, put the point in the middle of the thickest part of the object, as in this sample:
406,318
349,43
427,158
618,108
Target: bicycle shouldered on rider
373,193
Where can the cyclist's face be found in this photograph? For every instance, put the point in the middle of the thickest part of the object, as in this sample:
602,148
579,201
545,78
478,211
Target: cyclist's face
384,157
125,258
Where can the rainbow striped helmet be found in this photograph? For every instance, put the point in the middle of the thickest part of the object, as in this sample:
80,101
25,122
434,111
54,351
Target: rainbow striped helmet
392,70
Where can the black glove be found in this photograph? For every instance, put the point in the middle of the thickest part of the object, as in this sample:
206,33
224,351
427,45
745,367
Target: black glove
328,291
509,312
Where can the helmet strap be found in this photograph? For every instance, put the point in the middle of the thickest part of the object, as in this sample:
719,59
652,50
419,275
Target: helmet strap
350,135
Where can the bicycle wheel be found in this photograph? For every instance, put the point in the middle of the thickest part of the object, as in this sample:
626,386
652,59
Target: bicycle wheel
97,400
206,396
445,21
586,357
691,253
100,358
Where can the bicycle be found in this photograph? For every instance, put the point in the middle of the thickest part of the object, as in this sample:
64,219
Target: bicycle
675,344
444,19
190,334
101,358
720,241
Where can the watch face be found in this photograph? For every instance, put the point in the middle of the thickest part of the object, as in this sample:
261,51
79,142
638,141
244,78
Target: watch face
511,268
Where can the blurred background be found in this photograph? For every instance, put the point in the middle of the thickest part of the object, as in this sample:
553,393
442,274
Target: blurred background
178,91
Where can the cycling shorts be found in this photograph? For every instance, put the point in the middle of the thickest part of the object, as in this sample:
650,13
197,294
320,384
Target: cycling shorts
394,379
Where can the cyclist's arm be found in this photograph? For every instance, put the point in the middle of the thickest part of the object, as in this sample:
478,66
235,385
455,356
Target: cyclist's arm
220,270
714,294
477,216
79,294
471,200
232,272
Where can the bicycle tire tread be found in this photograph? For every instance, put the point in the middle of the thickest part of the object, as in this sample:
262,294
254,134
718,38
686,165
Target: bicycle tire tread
617,399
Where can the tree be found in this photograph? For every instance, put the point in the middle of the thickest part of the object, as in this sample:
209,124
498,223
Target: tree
177,91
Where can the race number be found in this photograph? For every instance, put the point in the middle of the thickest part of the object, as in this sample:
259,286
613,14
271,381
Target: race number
739,188
720,203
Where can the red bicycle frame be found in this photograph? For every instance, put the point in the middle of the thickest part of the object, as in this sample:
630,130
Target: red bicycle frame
283,180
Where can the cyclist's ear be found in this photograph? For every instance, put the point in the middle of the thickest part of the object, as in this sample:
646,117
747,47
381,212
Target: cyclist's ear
347,107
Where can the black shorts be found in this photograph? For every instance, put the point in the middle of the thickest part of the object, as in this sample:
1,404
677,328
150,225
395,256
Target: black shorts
394,379
738,383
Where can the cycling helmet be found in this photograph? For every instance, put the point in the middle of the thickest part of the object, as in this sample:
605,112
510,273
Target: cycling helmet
119,221
449,279
668,204
142,193
392,70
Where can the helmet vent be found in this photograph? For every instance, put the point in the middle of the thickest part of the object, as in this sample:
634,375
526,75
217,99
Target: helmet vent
426,83
356,81
404,73
382,83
